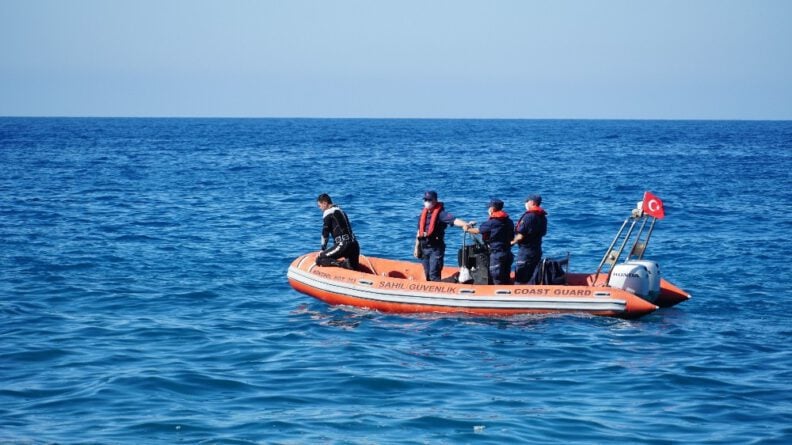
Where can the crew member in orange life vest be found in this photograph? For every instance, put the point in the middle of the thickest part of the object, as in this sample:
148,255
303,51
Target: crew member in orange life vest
497,232
430,241
336,224
531,227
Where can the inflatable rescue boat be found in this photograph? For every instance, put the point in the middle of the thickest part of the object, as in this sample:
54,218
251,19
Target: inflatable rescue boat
629,289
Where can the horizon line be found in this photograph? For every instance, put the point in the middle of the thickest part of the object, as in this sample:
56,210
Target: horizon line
391,118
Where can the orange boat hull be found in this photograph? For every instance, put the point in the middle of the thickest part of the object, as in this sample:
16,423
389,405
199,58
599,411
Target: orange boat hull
400,287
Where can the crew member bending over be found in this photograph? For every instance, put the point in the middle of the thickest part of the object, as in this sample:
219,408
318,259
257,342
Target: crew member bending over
336,224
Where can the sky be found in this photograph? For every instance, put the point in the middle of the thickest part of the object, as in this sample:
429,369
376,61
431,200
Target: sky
560,59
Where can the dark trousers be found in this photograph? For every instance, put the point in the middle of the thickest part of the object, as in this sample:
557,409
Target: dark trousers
527,259
432,260
349,250
500,262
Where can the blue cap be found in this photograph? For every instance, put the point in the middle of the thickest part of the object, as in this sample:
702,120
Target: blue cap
430,194
496,203
535,198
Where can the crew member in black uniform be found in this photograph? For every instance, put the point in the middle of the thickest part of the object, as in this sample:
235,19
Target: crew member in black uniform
336,224
531,227
497,232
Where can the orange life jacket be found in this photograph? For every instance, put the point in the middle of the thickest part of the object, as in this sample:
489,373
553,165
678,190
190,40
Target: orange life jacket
432,222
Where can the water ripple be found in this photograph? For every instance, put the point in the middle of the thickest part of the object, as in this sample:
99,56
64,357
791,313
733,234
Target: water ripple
143,295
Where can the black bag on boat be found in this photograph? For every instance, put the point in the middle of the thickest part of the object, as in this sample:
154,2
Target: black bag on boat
550,271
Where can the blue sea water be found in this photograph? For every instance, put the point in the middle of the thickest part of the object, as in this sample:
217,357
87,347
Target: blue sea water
143,291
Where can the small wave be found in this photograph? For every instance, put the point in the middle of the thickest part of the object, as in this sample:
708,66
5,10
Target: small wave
195,295
127,238
36,355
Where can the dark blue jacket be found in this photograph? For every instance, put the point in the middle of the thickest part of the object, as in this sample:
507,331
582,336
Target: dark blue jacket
533,226
498,231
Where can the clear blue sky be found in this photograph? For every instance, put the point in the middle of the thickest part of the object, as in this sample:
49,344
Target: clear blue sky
630,59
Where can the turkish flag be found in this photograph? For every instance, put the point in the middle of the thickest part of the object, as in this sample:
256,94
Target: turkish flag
653,206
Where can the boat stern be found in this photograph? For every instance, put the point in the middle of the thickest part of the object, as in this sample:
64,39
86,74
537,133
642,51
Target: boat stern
670,294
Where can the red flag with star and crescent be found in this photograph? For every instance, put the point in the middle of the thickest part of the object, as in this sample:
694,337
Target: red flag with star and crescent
653,206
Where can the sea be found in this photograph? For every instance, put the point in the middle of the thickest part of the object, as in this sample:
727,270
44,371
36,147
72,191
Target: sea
144,298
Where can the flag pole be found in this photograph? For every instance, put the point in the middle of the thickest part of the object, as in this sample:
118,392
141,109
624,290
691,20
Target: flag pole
610,248
637,244
648,235
621,249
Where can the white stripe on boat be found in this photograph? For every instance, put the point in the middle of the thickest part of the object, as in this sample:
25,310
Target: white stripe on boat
598,303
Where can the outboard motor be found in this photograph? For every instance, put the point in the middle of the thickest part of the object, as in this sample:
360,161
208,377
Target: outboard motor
654,277
633,278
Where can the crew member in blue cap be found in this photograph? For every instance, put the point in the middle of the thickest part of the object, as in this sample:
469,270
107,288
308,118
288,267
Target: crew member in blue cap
531,227
498,233
430,240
